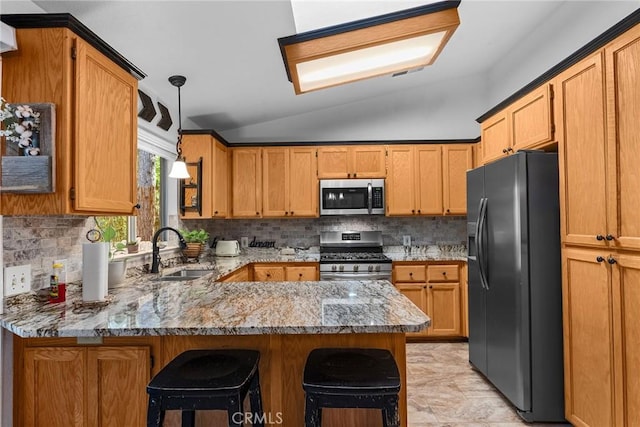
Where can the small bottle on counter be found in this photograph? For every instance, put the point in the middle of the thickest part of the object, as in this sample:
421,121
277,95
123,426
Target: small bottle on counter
57,285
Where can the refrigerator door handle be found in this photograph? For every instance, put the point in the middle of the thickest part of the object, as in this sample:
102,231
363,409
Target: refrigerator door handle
478,257
480,242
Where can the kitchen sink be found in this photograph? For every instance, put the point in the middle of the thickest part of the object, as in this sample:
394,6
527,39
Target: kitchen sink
183,275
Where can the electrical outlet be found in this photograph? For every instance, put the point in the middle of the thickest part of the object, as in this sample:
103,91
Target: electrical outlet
244,242
17,280
406,240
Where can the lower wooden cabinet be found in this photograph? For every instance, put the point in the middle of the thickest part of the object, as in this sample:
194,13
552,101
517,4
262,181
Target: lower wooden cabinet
601,295
435,289
62,384
285,272
268,273
241,275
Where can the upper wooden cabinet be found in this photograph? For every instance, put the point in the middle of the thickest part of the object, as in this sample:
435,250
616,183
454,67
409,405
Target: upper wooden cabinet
290,183
246,176
96,104
527,123
215,175
428,179
351,161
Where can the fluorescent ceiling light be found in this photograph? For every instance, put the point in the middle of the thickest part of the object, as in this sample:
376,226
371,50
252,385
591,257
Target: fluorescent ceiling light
386,44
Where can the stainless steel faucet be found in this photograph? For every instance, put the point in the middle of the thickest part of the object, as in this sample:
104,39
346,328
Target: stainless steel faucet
156,250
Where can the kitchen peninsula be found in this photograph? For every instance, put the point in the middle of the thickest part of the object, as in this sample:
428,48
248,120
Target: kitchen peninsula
79,366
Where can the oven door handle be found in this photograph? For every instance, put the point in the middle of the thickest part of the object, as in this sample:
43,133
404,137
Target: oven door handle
362,276
369,198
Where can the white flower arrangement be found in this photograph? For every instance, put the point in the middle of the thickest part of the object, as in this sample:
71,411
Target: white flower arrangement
20,123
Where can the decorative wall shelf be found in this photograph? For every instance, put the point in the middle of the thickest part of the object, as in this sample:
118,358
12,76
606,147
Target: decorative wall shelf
190,190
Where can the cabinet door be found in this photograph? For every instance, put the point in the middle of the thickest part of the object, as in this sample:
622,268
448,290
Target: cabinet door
194,147
298,273
428,179
417,294
333,162
495,137
580,121
531,119
116,386
105,136
443,302
266,273
456,159
54,393
367,161
241,275
247,182
626,279
220,184
303,182
623,134
275,182
400,181
588,341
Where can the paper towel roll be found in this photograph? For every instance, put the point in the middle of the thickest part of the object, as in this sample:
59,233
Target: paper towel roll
95,271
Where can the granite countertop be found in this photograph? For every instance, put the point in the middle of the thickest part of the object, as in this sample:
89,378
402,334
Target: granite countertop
204,306
427,253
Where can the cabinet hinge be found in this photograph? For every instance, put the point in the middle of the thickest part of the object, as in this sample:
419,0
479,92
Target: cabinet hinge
74,52
72,193
551,93
386,153
316,153
553,128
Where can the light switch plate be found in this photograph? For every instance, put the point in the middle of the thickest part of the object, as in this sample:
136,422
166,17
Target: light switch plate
406,240
17,280
244,242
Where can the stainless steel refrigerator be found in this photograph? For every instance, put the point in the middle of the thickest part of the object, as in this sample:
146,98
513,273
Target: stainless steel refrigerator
515,291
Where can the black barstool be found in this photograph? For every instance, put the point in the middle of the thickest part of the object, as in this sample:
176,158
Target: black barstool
207,379
351,378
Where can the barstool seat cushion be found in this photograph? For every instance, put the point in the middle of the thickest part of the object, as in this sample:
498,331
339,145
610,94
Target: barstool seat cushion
210,372
357,371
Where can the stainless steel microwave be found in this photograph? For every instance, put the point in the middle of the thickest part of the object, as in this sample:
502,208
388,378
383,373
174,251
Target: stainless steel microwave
352,197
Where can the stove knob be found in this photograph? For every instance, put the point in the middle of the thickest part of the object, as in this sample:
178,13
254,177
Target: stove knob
377,268
341,268
334,268
370,268
355,268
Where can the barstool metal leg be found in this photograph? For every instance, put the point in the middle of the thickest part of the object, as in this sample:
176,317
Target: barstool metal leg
255,399
235,412
312,412
188,418
390,416
155,413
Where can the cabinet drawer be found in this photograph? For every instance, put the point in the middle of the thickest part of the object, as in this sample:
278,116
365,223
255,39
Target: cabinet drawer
294,274
409,273
268,274
442,273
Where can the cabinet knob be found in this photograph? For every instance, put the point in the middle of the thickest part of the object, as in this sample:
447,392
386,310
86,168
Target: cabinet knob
257,213
599,237
268,274
419,211
504,150
444,273
448,211
286,213
611,260
430,286
413,211
411,275
509,149
300,275
215,213
599,259
355,175
137,206
609,237
291,212
348,175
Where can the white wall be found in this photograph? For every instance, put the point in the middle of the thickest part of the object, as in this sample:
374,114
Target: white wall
445,110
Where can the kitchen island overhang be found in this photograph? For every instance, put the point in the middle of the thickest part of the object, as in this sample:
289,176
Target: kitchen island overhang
283,320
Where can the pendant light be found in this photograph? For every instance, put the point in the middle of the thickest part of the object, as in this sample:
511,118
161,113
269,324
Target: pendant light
179,167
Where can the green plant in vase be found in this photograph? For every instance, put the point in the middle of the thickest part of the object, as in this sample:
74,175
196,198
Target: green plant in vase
196,239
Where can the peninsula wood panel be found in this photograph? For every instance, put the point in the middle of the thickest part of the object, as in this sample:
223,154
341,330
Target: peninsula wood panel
112,370
588,324
54,391
275,182
303,182
428,177
241,275
247,182
581,132
456,159
531,119
367,161
333,162
400,186
495,137
622,59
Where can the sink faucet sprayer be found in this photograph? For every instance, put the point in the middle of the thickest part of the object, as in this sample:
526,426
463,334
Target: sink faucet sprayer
156,250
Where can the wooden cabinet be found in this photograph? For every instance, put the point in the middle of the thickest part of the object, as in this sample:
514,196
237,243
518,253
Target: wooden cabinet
247,182
428,179
95,123
290,183
285,272
527,123
352,161
241,275
435,289
601,293
63,384
215,177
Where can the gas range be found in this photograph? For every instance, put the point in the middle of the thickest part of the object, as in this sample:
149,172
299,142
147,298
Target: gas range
353,255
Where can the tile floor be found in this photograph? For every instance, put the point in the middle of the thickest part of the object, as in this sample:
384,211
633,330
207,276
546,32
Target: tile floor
444,391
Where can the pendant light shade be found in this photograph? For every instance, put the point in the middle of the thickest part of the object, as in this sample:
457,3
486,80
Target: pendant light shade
386,44
179,167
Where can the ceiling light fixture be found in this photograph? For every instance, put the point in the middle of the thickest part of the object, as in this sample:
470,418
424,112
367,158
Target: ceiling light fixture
179,167
370,47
